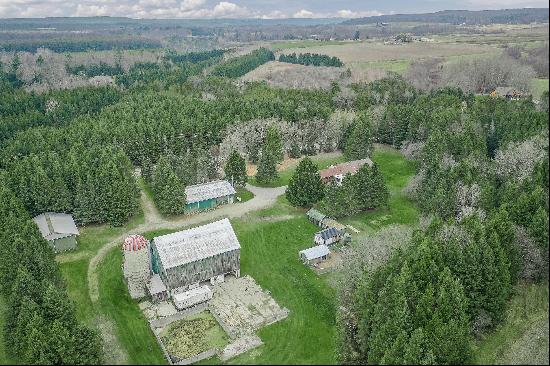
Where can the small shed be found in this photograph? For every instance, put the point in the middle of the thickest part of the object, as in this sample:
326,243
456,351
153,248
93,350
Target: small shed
316,217
315,254
327,236
209,195
336,173
58,229
157,289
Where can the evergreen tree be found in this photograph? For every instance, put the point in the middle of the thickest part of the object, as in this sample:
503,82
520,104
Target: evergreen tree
339,201
359,143
235,169
273,144
267,167
305,187
168,189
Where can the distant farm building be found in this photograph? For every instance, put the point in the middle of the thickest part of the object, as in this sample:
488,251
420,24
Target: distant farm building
209,195
136,266
316,217
315,254
58,229
189,257
336,173
508,93
327,236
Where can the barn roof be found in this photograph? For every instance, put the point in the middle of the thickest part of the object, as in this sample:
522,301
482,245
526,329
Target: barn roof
331,232
316,215
350,167
315,252
198,243
55,225
206,191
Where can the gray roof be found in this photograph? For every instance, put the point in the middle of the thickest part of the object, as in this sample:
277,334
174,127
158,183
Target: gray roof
55,225
156,285
331,232
313,213
315,252
350,167
206,191
191,245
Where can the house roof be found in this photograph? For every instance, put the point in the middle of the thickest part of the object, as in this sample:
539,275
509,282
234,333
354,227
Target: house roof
206,191
156,285
328,233
350,167
316,215
55,225
198,243
315,252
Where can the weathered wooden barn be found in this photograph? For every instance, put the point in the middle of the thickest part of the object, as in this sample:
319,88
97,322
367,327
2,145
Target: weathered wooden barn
315,254
58,229
336,173
209,195
203,253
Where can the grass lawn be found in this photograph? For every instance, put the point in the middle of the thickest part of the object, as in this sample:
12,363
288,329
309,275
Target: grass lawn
131,327
304,44
538,87
396,171
523,336
244,194
398,66
322,161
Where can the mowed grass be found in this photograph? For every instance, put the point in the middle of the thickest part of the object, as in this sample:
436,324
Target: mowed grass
538,87
244,194
396,171
397,66
131,327
523,337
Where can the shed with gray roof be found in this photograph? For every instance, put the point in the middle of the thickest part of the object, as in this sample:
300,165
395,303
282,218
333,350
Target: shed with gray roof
189,257
58,229
315,254
209,195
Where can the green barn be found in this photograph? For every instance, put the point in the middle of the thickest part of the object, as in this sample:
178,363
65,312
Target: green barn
206,196
58,229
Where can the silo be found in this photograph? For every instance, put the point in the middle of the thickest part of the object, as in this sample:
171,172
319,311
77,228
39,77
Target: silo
136,265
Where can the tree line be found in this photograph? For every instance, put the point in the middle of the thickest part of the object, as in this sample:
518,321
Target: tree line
79,44
40,321
311,59
238,66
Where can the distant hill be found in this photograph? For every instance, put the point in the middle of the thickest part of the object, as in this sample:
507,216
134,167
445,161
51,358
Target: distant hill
505,16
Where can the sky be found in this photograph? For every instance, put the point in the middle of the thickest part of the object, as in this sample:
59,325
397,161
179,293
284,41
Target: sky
244,8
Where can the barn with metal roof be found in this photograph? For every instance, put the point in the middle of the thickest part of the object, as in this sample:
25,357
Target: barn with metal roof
196,255
315,254
209,195
58,229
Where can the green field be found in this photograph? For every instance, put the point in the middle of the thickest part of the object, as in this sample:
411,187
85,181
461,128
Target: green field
523,337
304,44
244,194
539,86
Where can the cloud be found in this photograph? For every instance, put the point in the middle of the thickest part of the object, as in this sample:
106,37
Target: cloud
357,14
303,14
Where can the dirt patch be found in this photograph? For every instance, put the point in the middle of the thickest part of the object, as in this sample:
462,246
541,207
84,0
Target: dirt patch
330,264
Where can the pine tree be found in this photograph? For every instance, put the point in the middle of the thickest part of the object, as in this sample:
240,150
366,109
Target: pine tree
305,187
359,143
273,144
168,189
267,168
339,201
235,169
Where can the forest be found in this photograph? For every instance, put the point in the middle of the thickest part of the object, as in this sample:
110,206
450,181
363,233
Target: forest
481,185
311,59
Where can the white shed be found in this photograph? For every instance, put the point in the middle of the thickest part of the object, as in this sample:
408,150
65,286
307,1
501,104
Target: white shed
315,254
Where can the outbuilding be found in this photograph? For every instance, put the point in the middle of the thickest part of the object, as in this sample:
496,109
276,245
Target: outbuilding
316,217
209,195
327,236
315,254
190,257
157,289
58,229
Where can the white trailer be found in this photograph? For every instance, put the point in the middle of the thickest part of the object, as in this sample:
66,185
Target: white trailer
184,300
